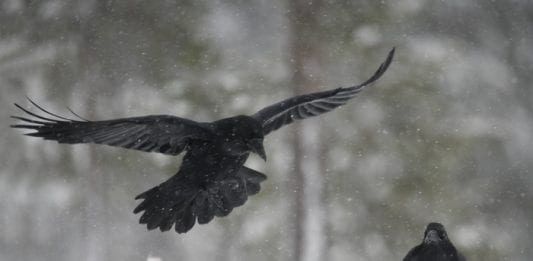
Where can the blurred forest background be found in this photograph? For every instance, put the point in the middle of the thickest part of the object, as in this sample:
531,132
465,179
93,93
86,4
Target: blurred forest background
445,135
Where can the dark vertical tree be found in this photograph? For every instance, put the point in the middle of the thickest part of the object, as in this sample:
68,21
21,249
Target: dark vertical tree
306,182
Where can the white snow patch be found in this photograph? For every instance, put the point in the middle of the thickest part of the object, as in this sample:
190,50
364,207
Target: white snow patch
368,35
406,7
430,48
153,258
468,236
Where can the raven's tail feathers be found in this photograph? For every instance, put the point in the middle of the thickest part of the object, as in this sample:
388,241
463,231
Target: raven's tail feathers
178,202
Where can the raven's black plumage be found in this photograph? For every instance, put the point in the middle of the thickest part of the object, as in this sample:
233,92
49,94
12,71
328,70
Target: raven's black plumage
436,246
212,179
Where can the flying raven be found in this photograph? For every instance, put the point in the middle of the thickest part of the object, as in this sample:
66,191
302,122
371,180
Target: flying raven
212,179
436,246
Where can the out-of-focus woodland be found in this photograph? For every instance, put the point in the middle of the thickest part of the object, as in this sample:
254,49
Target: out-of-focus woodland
445,135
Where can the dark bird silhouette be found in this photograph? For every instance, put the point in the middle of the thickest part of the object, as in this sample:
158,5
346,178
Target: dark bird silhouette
436,246
212,179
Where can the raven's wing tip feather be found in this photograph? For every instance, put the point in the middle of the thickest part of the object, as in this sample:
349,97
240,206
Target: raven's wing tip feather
390,56
47,119
385,65
382,68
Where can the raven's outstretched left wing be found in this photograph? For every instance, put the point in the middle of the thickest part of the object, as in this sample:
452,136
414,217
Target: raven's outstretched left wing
158,133
304,106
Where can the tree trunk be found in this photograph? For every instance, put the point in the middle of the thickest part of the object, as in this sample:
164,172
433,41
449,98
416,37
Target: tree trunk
308,181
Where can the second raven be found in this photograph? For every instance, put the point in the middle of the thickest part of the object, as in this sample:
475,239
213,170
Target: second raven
212,179
436,246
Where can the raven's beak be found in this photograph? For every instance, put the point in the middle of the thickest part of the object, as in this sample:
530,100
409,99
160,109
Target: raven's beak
432,236
256,145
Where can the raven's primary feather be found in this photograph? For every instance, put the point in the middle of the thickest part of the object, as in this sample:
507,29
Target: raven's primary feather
159,133
212,179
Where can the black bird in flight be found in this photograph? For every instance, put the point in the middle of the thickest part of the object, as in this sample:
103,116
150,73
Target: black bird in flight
436,246
212,179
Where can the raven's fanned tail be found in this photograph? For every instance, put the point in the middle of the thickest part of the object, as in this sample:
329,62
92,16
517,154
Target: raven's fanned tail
178,202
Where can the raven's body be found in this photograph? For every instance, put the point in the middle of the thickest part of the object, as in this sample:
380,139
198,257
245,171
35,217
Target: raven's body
436,246
212,179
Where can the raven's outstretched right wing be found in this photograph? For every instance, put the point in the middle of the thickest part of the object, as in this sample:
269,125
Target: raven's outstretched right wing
158,133
304,106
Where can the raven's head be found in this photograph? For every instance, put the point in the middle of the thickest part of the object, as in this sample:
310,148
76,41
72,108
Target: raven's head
241,134
435,233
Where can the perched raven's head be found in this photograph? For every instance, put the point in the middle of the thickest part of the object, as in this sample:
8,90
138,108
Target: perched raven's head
241,134
435,233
